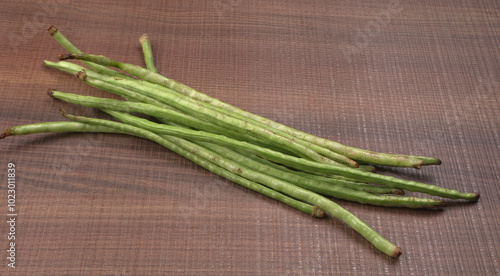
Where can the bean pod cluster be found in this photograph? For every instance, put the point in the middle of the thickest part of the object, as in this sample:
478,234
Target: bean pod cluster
296,168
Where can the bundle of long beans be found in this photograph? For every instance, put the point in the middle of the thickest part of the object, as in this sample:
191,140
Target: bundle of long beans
296,168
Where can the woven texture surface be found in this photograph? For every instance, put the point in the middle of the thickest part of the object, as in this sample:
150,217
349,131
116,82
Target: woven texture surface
413,77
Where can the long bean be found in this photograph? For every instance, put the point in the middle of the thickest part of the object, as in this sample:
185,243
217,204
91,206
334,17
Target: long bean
245,128
298,163
224,117
148,53
158,91
332,179
323,188
106,83
71,126
150,90
351,152
63,126
59,37
116,105
299,193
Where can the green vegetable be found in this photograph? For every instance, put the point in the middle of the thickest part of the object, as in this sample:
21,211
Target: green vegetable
173,143
57,35
233,124
148,53
66,126
351,152
54,127
116,105
286,164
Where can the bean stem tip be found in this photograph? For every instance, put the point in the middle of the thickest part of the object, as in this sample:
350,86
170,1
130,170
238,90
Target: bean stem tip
66,56
82,75
50,92
143,38
397,252
52,30
64,113
476,198
317,212
5,133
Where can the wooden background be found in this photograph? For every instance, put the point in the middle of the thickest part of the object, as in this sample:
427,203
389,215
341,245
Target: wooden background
414,77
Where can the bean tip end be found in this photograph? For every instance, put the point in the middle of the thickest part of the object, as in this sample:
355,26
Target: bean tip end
143,38
82,75
476,197
50,92
396,252
318,213
5,133
64,113
66,56
52,30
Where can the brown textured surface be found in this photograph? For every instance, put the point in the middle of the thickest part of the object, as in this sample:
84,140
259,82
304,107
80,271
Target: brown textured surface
416,77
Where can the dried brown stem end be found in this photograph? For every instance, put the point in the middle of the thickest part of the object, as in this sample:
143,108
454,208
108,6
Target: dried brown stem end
66,56
50,92
5,133
476,198
143,38
397,252
82,75
52,30
317,212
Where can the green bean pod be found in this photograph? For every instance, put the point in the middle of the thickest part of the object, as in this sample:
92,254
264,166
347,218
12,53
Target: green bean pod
353,153
65,126
174,144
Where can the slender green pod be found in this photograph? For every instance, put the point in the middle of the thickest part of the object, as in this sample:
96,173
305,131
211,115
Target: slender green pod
152,91
70,126
158,92
174,144
297,163
353,153
332,179
59,37
148,53
108,84
337,191
63,126
205,137
245,128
